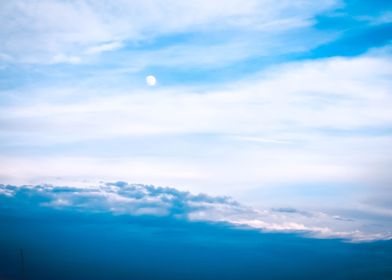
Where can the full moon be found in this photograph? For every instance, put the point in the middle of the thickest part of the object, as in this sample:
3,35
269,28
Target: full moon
151,80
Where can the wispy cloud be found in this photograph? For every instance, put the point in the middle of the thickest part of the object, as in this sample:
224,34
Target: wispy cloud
335,93
262,140
324,120
61,58
77,27
104,47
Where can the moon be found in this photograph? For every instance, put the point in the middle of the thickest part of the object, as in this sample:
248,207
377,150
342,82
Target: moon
151,80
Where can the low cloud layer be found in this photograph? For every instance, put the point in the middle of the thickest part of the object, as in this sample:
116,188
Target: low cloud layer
136,199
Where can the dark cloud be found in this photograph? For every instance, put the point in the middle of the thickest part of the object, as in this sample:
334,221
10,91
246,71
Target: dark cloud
120,197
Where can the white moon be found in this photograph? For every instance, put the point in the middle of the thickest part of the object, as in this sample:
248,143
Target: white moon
151,80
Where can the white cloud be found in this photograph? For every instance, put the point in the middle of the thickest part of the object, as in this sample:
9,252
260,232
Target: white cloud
104,47
5,57
336,93
303,122
261,140
61,58
52,27
136,199
383,18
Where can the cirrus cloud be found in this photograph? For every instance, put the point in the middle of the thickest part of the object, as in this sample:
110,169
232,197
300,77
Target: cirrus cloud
75,28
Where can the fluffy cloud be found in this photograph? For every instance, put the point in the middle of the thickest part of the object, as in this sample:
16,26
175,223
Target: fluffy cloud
136,199
119,197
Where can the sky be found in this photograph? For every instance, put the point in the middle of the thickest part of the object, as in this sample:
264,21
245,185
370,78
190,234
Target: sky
278,104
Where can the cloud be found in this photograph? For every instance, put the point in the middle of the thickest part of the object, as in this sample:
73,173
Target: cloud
335,93
119,197
76,27
137,199
292,211
104,48
306,122
61,58
383,18
262,140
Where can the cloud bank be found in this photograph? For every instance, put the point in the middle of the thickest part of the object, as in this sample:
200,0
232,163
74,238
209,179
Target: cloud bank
135,199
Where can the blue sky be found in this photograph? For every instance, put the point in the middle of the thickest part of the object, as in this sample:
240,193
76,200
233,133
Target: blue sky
276,103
